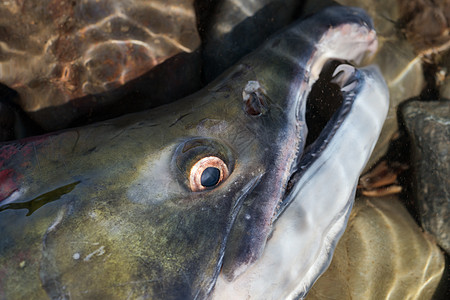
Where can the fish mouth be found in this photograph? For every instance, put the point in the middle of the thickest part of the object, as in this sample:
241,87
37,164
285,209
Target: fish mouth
321,189
332,85
328,104
319,208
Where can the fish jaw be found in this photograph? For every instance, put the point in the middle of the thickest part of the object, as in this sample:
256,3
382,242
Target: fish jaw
301,51
310,224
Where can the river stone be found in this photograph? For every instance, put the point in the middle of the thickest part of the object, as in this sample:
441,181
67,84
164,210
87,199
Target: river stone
426,24
55,51
383,254
400,66
428,126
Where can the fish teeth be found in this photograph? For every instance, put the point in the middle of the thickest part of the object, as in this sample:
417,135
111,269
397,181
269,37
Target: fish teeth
341,76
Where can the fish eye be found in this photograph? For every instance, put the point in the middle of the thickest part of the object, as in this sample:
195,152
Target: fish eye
202,163
207,173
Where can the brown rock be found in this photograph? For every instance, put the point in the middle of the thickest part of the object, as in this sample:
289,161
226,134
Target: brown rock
238,27
426,23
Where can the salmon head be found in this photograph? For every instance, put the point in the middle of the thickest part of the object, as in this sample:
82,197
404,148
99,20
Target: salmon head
202,197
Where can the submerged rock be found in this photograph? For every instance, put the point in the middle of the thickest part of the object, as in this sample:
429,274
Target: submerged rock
383,254
65,50
428,125
14,124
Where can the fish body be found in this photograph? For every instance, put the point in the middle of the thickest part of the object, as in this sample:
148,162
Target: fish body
123,208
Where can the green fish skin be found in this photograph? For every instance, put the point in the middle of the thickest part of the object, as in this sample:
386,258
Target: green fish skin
107,211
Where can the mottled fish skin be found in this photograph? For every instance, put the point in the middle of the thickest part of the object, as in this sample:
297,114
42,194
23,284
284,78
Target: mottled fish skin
109,210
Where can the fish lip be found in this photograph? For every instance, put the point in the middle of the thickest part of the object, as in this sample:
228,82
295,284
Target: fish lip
370,85
362,30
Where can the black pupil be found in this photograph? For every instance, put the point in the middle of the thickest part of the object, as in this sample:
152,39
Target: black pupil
210,177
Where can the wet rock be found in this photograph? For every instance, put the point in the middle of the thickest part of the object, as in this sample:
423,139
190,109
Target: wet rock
383,254
14,123
426,23
428,126
63,51
400,65
171,80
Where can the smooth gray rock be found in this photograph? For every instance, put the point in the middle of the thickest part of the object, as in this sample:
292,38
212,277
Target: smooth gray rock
428,125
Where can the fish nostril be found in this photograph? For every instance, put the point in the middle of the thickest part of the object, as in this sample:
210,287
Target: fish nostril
255,105
255,99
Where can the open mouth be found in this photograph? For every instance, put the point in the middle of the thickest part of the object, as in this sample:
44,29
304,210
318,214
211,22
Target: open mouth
329,102
324,100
